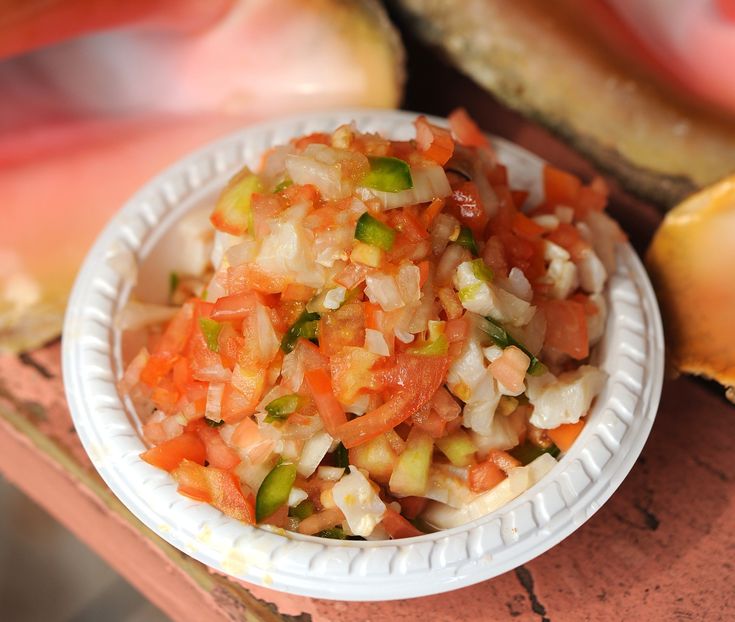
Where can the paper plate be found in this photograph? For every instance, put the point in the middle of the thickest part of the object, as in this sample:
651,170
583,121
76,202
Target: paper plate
616,430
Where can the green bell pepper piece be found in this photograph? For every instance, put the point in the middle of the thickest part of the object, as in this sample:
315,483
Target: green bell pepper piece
387,175
274,490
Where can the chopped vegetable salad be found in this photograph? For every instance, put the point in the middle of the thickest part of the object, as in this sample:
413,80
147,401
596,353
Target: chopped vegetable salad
384,344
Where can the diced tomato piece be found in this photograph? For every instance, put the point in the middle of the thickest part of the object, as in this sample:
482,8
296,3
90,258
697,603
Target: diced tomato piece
510,368
234,307
165,397
503,460
247,433
466,205
298,292
172,342
181,375
411,507
251,277
309,356
350,371
565,435
169,454
498,176
568,237
503,219
519,197
264,207
242,396
220,488
590,308
484,476
524,227
315,138
408,223
434,142
397,526
445,405
450,302
466,130
494,256
330,410
352,275
457,329
373,314
230,344
527,255
279,518
430,422
560,187
218,453
343,327
589,200
301,193
205,364
416,379
566,327
432,211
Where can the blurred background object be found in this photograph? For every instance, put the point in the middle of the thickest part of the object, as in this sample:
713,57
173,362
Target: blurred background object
581,72
691,261
85,120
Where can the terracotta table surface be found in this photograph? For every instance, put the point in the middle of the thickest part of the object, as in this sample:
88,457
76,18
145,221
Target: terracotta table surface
661,548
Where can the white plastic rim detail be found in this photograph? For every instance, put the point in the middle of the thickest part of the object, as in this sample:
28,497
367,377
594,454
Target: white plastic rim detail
632,353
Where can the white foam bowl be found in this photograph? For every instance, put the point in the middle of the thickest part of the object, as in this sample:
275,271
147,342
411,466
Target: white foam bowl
631,353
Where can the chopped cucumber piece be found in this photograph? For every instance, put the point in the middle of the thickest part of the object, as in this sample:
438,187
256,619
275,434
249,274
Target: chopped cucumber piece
411,474
458,447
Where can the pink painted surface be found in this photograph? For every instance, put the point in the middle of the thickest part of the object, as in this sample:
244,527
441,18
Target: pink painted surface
660,549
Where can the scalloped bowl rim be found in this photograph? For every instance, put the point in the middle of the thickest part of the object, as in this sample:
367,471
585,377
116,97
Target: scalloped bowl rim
618,426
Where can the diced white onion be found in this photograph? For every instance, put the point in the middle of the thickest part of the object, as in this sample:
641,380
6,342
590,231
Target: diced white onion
591,271
554,251
239,254
362,507
382,289
375,342
547,221
564,213
444,228
335,297
329,473
296,496
518,285
267,339
131,377
564,399
313,452
407,280
213,408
